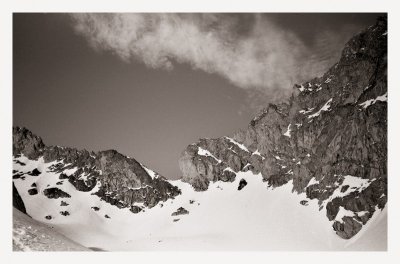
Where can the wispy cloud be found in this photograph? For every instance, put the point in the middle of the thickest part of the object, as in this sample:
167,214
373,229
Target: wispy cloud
249,50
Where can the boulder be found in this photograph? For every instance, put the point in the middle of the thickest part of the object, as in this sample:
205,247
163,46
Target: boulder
34,172
304,202
242,183
33,191
135,209
55,193
180,211
64,213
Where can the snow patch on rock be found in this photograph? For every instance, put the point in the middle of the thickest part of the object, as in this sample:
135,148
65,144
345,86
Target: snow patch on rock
241,146
287,133
381,98
325,107
342,213
312,182
206,153
354,183
151,173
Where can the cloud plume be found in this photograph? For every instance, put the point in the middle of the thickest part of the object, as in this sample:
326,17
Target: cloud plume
249,50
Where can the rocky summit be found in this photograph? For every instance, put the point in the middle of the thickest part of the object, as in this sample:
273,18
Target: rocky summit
119,180
329,138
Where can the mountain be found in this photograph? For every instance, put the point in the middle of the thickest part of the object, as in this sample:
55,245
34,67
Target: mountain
117,179
307,174
245,214
329,139
61,187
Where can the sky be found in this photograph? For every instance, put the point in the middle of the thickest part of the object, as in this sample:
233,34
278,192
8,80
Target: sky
148,85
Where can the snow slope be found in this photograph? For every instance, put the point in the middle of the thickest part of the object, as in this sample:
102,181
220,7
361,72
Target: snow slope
221,218
30,235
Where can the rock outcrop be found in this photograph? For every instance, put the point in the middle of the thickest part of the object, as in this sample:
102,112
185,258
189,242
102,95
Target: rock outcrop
330,134
200,167
55,193
33,191
24,141
65,213
180,211
242,184
17,200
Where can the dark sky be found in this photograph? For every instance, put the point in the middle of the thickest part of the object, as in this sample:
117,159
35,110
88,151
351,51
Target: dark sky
75,88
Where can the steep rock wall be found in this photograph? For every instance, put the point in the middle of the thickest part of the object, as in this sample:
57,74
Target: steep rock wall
330,138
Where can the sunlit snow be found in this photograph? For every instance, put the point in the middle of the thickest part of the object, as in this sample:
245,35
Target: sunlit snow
342,213
306,111
204,152
312,182
229,169
256,153
221,218
151,173
354,183
325,107
241,146
287,133
382,98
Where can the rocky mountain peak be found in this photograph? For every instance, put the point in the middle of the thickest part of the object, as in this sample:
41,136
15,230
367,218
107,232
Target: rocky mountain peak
25,142
119,180
330,140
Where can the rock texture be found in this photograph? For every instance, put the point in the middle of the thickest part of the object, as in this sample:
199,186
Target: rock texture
180,211
33,191
17,201
212,160
64,213
242,184
122,181
331,131
55,193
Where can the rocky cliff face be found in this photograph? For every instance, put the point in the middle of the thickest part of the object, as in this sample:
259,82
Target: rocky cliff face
17,200
122,181
329,138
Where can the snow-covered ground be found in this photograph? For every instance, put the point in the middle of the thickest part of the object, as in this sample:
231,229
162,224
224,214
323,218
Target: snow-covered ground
221,218
30,235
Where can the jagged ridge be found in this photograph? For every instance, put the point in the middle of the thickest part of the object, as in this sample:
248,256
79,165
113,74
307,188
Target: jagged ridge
122,180
330,138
